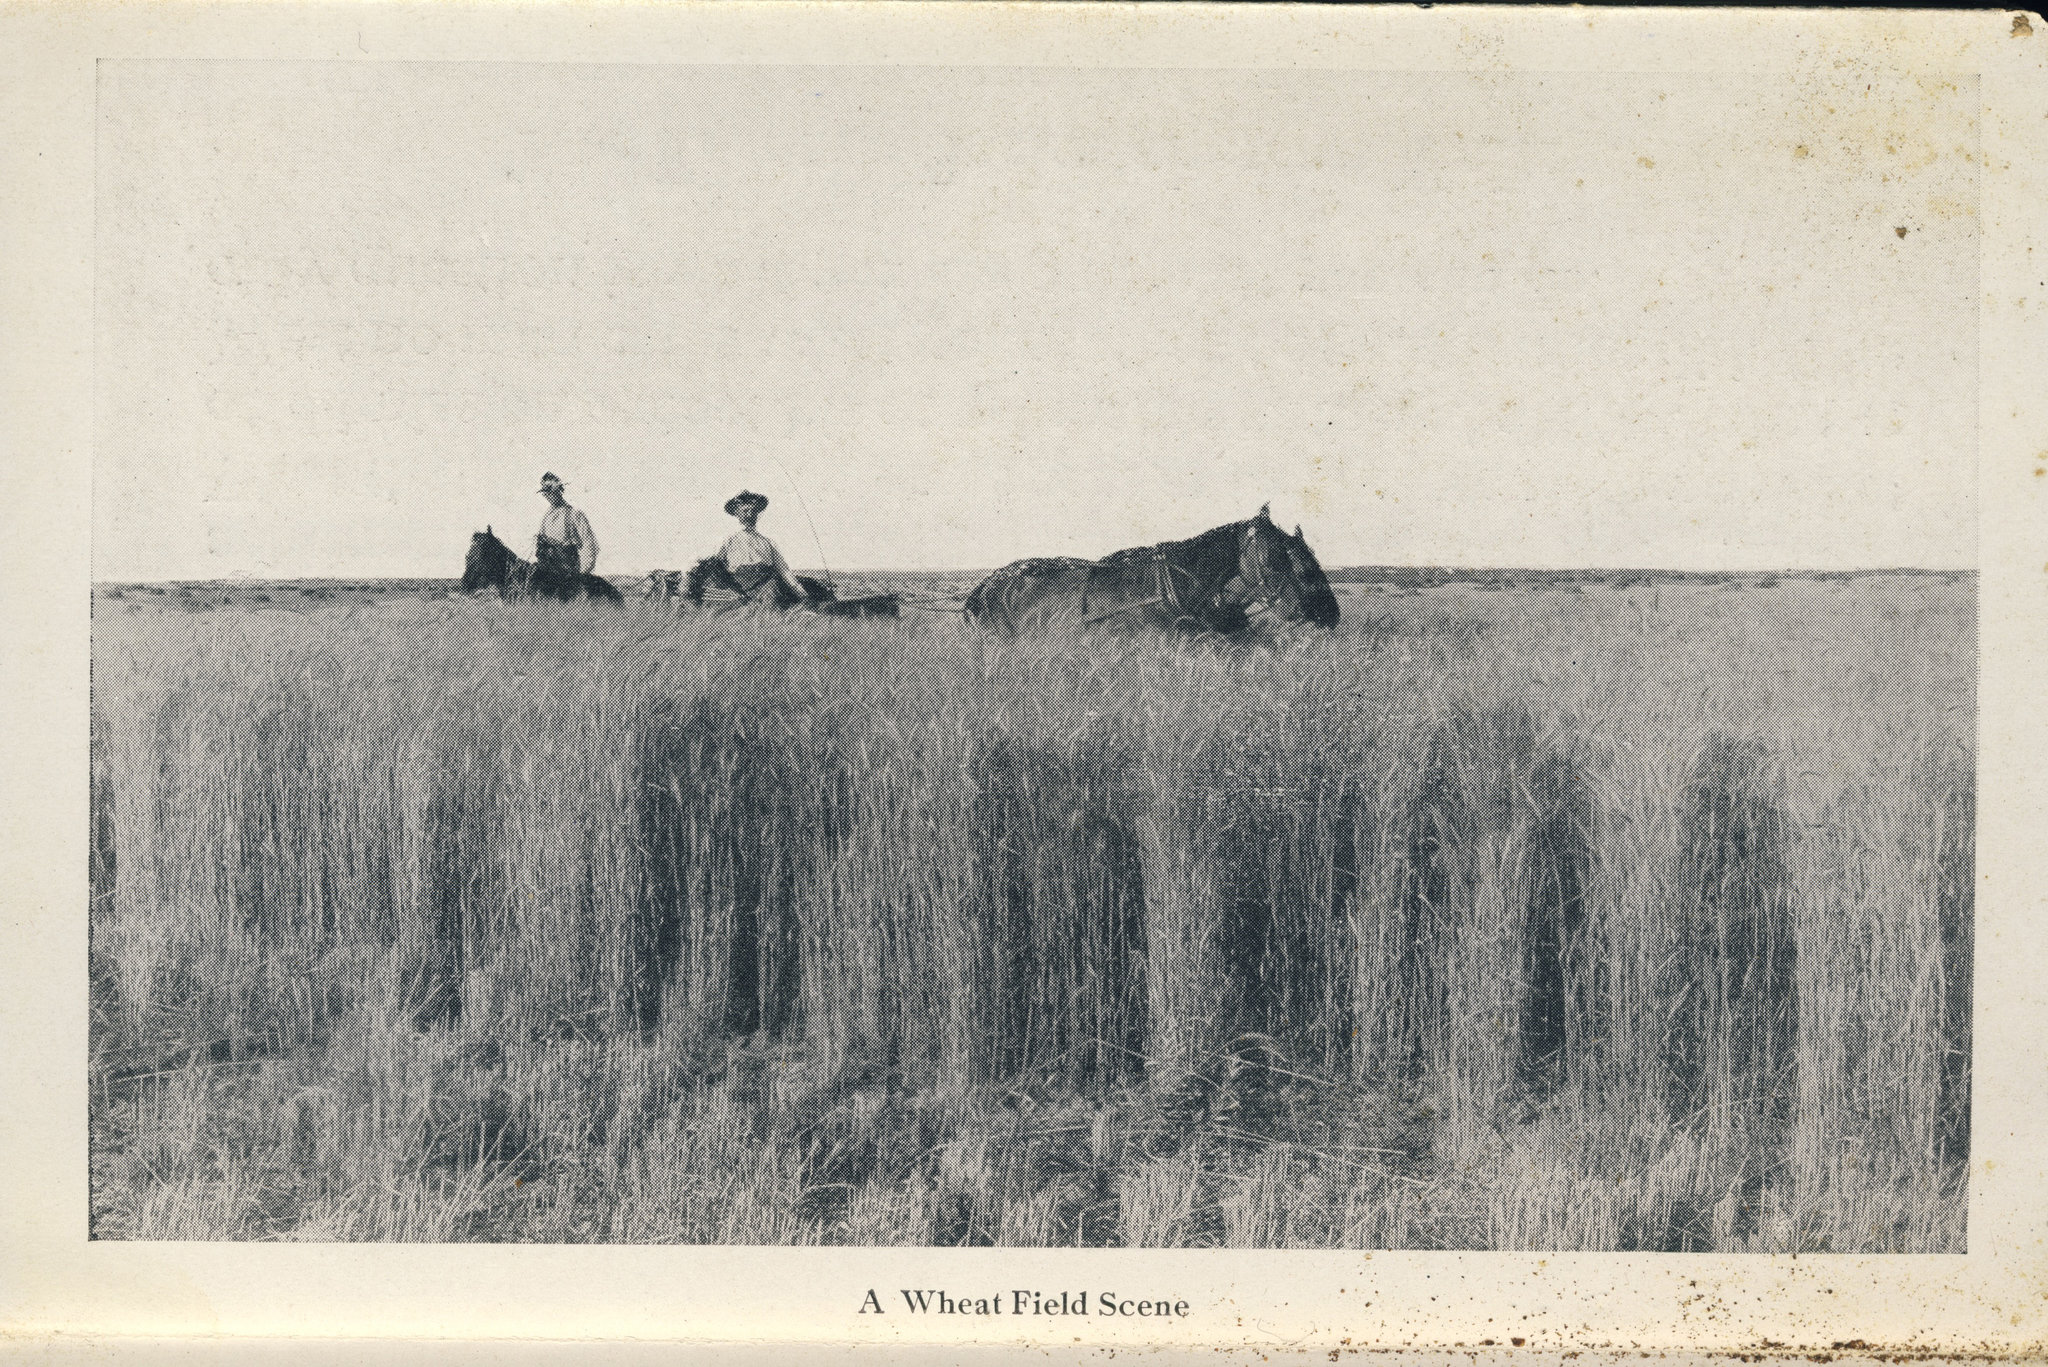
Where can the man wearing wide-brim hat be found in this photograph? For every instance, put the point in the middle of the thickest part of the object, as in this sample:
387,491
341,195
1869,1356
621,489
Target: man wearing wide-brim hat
750,558
566,545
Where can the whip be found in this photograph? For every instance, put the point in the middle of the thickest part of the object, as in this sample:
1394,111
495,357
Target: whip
794,488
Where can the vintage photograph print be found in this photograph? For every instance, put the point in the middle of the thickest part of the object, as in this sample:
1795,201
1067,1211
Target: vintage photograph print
1033,657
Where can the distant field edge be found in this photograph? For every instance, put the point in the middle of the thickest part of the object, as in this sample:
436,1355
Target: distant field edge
1427,576
1404,576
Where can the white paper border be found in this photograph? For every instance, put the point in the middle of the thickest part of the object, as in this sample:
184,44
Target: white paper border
55,1287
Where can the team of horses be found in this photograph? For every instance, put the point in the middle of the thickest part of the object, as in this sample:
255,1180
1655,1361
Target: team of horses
1242,576
1228,579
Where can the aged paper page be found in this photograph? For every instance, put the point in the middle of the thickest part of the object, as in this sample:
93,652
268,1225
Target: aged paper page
931,679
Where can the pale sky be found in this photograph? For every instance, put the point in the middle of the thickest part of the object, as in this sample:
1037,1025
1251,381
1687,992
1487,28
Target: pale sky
349,312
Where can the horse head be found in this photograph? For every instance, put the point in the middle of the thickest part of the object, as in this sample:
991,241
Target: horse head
1318,599
1283,575
488,564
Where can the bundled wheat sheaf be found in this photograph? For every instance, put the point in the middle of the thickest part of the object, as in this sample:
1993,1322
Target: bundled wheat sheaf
1489,921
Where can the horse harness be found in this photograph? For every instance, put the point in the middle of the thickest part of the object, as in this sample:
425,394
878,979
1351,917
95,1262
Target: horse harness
1167,591
1165,576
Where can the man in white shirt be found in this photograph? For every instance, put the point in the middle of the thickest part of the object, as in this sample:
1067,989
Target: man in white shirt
566,547
751,558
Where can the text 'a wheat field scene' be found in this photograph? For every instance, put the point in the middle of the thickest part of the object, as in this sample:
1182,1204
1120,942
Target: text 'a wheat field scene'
760,655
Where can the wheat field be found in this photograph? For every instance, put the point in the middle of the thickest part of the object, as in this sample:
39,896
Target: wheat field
1552,917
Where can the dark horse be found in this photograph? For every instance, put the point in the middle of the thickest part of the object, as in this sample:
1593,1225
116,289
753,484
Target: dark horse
1241,575
492,565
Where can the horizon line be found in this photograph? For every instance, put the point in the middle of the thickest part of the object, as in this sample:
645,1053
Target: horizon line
1780,572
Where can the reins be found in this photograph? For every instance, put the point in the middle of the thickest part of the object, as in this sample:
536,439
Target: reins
1164,588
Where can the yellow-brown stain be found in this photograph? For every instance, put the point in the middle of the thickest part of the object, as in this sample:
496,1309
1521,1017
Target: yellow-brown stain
1896,140
2020,27
1646,163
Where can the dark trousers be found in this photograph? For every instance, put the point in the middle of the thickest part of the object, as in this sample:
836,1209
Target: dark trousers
557,559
